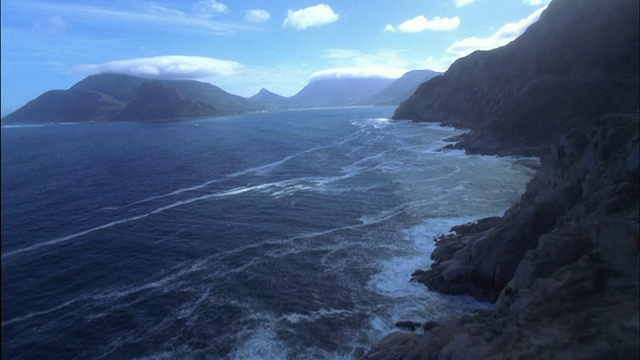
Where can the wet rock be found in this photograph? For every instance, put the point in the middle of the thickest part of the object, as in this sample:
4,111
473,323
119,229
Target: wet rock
394,346
409,325
429,325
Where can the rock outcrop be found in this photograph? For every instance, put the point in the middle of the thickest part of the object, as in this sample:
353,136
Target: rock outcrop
585,183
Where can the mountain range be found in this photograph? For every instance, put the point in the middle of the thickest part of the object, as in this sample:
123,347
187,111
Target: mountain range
113,97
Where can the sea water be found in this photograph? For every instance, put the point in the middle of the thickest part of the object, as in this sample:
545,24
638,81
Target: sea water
276,235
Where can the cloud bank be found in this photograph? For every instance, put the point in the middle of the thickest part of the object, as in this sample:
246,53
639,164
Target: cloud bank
171,67
358,72
503,36
461,3
256,15
537,2
318,15
420,23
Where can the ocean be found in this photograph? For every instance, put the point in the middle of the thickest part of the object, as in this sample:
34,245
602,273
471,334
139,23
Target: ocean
282,235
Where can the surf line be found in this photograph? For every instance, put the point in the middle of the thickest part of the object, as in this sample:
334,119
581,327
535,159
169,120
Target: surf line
234,191
106,226
260,170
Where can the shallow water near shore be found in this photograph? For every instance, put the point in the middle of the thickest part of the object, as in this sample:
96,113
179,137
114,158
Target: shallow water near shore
273,235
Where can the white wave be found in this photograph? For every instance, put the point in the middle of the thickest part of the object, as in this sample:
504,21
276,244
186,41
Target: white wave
173,193
188,310
356,166
24,126
64,239
261,170
116,294
314,315
158,356
18,126
260,343
42,312
70,237
414,302
267,168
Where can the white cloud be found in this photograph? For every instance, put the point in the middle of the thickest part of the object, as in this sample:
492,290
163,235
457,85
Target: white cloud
208,8
461,3
383,61
160,10
420,23
358,72
318,15
537,2
166,67
145,14
383,58
503,36
54,25
256,15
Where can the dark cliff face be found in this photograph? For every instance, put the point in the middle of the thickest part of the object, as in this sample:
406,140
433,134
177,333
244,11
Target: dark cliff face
587,180
580,60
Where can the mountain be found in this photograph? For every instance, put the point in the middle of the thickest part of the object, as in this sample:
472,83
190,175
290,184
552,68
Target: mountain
106,97
402,88
269,99
339,91
349,91
579,60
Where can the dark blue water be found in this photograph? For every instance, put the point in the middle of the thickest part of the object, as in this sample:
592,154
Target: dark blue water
275,235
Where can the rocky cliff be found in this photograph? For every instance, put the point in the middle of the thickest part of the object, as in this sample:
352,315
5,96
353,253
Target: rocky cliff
578,61
562,264
587,181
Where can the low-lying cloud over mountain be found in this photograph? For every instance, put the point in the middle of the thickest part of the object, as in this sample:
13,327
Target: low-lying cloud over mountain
348,73
172,67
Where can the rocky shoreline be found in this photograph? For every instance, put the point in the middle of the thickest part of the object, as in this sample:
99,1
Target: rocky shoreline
562,264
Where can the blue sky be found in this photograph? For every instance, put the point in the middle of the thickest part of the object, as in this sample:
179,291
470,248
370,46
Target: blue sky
243,46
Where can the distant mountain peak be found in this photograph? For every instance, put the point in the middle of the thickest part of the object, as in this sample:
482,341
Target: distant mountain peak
265,91
268,98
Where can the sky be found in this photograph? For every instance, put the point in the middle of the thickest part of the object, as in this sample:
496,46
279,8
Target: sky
243,46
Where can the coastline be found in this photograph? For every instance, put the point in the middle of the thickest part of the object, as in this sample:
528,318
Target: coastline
561,265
